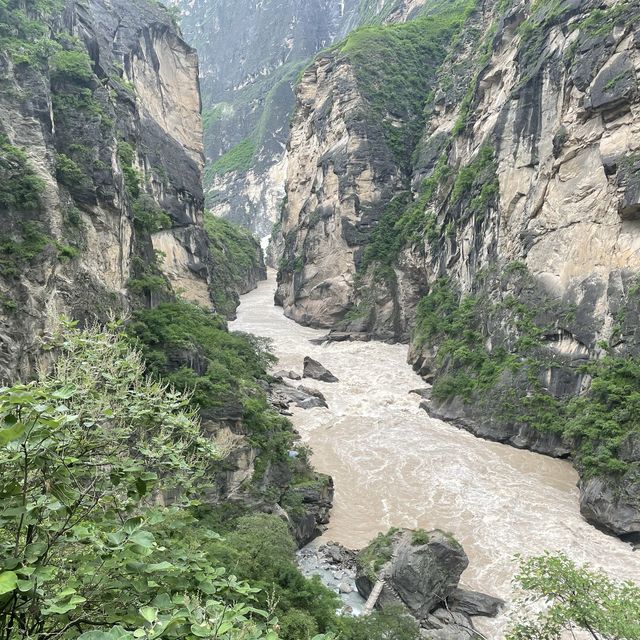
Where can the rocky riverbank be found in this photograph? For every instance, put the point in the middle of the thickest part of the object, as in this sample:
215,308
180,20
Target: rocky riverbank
421,572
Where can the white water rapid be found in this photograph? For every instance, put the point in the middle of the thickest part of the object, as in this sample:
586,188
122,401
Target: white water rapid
394,466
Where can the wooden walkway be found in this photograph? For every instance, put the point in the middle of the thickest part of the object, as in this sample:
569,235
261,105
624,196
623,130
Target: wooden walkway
373,597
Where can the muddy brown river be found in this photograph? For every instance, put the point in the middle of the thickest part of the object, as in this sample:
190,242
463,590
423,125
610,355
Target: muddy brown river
393,465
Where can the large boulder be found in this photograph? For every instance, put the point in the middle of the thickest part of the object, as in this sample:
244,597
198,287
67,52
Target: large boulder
302,397
313,369
421,569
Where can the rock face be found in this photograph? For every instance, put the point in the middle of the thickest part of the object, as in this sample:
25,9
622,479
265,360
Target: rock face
108,135
313,369
421,572
505,241
251,54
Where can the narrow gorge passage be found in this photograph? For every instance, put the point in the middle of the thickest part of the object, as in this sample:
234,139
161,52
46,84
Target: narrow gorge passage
394,466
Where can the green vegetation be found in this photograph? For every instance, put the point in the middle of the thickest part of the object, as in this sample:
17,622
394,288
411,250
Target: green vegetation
218,112
419,536
392,623
377,553
71,66
454,325
24,33
413,222
392,64
20,186
235,255
126,155
238,158
17,254
599,422
601,21
85,552
576,599
148,215
69,173
81,547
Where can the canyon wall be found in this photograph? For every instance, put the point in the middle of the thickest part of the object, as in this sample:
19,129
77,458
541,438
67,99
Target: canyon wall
252,54
502,240
102,153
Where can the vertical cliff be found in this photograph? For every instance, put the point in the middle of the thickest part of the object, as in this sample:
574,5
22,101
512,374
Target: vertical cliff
100,164
251,56
510,253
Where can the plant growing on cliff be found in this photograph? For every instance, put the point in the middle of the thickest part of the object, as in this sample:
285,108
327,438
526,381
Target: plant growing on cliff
575,598
20,186
391,66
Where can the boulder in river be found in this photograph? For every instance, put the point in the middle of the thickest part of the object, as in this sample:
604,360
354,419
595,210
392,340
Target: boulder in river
302,397
474,603
313,369
310,391
421,570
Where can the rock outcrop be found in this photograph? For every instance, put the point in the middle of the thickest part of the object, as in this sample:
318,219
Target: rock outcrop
421,571
504,241
313,369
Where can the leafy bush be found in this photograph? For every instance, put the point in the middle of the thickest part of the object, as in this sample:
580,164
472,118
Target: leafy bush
24,32
16,255
84,448
392,623
377,553
20,186
126,155
71,66
575,598
147,215
69,173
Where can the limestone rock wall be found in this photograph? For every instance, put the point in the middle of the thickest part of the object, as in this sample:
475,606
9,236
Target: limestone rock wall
110,126
521,195
251,56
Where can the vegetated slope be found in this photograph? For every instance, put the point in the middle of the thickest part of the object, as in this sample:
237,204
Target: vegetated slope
237,262
505,244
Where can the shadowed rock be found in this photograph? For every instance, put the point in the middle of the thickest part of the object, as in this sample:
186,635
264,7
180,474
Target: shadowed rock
313,369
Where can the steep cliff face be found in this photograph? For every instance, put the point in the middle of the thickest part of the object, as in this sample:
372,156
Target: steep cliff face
251,55
513,255
359,116
101,161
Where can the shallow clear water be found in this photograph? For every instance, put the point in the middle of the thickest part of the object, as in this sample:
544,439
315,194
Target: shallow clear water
393,465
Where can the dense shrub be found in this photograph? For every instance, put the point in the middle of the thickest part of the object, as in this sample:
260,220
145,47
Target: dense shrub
20,186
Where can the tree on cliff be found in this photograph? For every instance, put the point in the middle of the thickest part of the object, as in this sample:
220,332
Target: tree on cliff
574,598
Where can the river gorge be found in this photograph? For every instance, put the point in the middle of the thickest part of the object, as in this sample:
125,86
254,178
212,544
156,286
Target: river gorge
395,466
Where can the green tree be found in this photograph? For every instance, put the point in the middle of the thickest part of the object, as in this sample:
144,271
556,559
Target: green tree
392,623
86,451
574,598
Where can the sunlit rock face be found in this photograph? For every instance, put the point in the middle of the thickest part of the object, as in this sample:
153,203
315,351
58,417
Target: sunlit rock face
118,148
